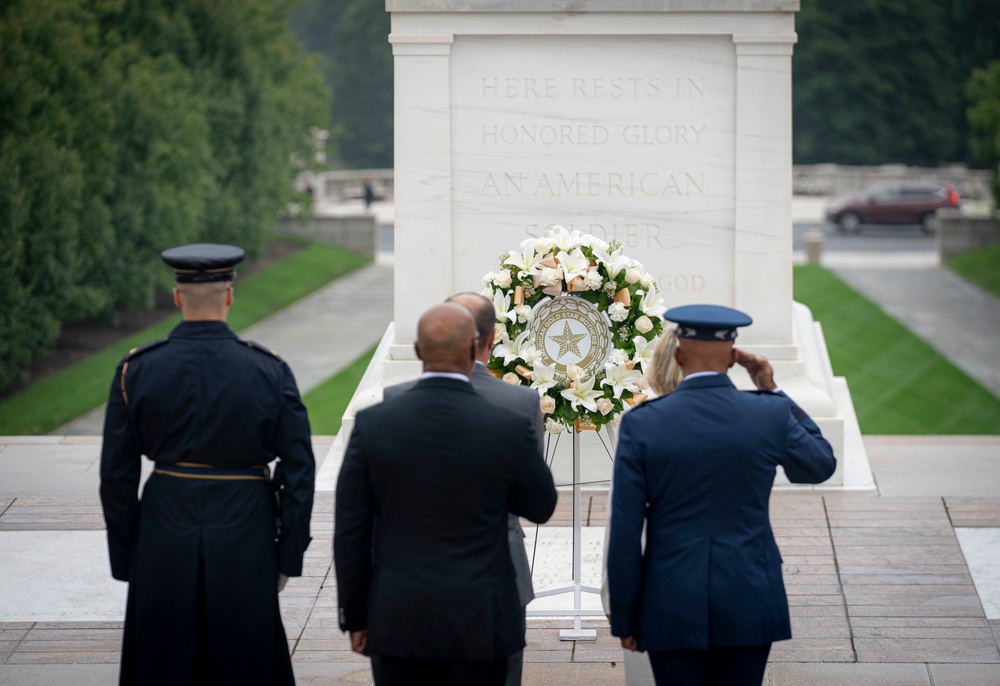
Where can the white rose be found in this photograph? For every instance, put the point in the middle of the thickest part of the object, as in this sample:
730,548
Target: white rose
503,279
598,244
488,278
487,293
643,324
632,275
512,378
604,405
524,313
643,383
554,427
549,276
619,356
593,280
646,282
617,312
498,331
573,372
547,404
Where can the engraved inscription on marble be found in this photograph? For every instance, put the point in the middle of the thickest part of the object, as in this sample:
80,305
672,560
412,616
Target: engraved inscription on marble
627,140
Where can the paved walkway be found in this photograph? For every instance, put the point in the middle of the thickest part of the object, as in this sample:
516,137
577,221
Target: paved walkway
958,319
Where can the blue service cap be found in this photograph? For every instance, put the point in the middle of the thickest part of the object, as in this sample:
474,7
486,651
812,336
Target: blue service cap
707,322
203,262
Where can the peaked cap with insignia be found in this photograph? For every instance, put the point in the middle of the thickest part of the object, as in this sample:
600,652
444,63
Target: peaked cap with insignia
707,322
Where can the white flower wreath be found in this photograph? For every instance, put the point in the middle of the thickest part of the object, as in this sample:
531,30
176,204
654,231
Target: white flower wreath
614,314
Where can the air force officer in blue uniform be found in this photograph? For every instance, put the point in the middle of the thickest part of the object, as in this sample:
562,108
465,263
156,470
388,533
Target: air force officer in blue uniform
706,598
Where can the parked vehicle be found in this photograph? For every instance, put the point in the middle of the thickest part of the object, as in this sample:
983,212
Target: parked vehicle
893,202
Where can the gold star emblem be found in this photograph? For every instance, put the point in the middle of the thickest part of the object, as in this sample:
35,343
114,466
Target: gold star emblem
568,340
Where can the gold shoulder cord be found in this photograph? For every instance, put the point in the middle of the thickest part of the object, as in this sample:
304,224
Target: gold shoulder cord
125,369
124,392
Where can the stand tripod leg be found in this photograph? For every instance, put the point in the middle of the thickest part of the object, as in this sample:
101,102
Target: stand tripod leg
577,633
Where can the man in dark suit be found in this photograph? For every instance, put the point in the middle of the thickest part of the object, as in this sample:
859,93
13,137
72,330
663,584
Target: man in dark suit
425,582
201,551
520,398
706,597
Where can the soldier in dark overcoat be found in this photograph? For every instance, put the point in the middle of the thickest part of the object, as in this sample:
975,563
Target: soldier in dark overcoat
215,534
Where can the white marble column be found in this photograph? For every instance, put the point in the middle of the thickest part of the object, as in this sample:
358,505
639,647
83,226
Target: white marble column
763,250
423,231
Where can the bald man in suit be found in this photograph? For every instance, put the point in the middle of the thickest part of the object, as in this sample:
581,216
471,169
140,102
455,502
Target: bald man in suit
520,398
425,582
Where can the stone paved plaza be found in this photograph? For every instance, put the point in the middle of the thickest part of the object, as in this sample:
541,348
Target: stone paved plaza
879,585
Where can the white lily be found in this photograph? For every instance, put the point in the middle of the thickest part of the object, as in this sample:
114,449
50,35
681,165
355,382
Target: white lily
539,245
582,393
519,349
501,304
652,303
573,264
564,240
643,351
525,261
613,261
621,378
543,377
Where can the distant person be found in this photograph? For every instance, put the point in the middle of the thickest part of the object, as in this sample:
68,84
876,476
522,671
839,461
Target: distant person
520,398
206,550
706,598
424,575
369,193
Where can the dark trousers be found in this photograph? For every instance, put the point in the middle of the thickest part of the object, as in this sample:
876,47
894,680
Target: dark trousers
399,671
742,666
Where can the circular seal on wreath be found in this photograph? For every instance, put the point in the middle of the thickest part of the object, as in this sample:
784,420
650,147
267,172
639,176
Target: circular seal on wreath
568,330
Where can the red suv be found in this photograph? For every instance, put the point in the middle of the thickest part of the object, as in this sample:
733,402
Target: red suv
892,202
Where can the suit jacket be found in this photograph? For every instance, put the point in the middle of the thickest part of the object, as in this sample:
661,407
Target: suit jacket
420,545
523,400
698,466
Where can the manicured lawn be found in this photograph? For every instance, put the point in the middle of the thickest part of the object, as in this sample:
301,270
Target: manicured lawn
981,267
57,399
328,401
900,385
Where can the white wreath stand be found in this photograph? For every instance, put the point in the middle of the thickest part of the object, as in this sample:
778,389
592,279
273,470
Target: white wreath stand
577,633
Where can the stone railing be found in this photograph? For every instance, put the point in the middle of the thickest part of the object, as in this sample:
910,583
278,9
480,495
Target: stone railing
342,186
835,179
807,179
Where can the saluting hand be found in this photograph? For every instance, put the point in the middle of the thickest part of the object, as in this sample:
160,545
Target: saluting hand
758,368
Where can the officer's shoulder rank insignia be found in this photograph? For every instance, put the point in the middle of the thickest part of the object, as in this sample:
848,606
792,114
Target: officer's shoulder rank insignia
264,349
144,347
130,356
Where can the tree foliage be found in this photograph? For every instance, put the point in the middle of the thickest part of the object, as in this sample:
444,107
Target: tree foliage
983,91
352,37
873,82
129,126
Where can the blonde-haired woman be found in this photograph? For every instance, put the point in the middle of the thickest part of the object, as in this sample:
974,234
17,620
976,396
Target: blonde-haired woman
663,375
